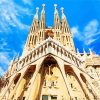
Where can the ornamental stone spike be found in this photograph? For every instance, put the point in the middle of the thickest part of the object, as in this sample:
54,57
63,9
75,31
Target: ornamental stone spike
37,9
55,9
77,51
55,6
84,52
90,51
36,15
63,15
62,10
43,8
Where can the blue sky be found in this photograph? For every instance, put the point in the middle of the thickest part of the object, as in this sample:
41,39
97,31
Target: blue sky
16,16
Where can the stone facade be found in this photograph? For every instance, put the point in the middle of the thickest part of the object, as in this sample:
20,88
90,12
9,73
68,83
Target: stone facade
50,68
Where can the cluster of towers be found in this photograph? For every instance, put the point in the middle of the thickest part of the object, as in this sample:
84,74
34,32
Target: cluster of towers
60,31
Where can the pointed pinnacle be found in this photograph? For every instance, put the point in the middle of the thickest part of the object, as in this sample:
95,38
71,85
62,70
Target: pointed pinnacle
55,5
62,10
43,5
90,51
84,51
37,9
77,50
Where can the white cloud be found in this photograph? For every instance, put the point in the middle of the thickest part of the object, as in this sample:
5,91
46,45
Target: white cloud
29,2
9,15
3,44
1,71
4,58
89,34
75,31
92,26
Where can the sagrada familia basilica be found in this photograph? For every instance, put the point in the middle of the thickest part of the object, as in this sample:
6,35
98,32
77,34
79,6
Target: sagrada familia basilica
50,68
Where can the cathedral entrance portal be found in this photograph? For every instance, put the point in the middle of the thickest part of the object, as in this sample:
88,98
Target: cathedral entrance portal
52,85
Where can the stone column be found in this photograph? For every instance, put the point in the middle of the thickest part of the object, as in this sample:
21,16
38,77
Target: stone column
61,65
31,89
14,91
20,88
35,88
5,91
85,90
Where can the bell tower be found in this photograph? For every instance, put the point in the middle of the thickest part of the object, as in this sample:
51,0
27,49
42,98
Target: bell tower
60,31
66,36
32,36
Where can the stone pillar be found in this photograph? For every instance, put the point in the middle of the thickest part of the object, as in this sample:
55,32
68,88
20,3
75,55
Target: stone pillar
20,88
5,91
49,97
29,95
85,90
14,91
61,65
35,88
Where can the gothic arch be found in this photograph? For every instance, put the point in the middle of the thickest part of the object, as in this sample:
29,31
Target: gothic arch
31,68
16,78
83,78
25,82
74,82
13,84
49,75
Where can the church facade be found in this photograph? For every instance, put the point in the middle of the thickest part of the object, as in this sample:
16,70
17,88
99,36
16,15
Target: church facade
50,68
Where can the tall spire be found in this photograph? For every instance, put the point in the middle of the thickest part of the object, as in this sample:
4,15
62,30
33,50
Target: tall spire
34,26
43,9
66,33
63,15
42,17
65,28
55,7
84,52
36,15
56,18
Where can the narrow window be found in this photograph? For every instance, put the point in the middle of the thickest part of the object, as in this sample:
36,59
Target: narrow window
23,98
44,97
54,97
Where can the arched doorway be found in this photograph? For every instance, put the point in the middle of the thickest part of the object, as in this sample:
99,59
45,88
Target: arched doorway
14,82
49,83
25,83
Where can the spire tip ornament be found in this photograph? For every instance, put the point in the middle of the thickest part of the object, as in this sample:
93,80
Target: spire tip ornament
37,9
36,15
43,5
55,5
62,10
